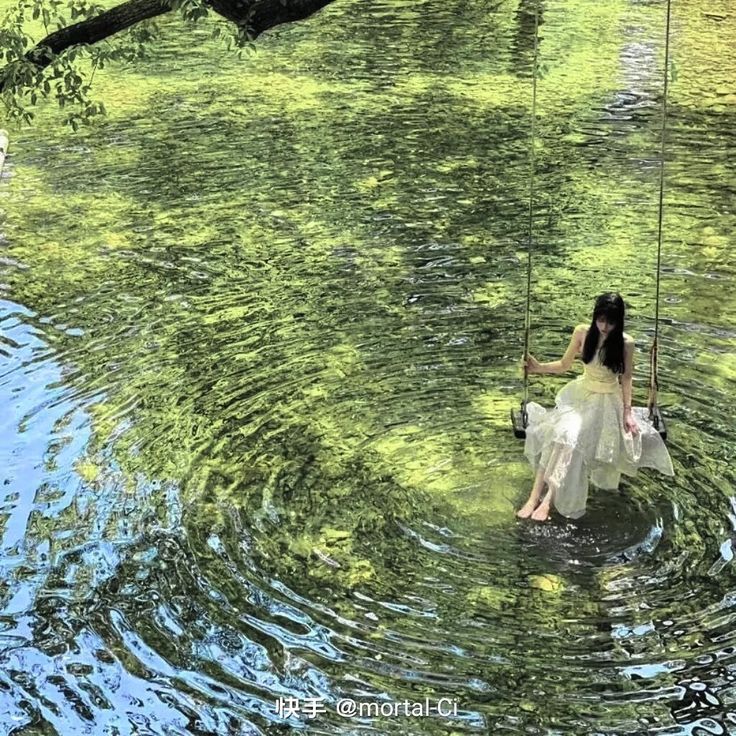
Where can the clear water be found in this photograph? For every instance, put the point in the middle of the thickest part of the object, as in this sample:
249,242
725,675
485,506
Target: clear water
261,331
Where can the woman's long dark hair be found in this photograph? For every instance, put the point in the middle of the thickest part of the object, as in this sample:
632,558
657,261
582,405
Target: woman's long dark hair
610,306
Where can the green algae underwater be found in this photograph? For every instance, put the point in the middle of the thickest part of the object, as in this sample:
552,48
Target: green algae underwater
261,328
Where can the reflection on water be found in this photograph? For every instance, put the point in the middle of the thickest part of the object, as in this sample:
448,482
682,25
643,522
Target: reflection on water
260,341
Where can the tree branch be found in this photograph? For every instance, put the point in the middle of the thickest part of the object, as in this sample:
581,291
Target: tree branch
269,13
96,29
251,16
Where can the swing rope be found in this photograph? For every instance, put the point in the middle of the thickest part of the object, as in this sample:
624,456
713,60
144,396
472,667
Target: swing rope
653,380
527,316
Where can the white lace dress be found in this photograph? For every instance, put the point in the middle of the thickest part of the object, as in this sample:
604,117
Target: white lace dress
583,439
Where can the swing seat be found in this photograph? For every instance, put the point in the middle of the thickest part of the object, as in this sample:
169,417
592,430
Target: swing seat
658,422
519,425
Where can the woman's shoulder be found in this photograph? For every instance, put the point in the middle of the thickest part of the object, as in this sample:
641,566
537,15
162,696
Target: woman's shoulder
583,327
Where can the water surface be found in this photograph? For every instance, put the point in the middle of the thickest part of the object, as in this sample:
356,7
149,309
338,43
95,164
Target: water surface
261,331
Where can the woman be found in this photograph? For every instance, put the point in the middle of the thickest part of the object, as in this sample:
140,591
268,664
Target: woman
592,434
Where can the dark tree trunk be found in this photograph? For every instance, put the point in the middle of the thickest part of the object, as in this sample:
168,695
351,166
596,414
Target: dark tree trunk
269,13
257,16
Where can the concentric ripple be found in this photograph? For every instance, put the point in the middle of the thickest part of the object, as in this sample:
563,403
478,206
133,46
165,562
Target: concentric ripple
260,334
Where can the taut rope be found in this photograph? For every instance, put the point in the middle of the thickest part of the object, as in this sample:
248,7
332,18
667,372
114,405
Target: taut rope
653,380
527,317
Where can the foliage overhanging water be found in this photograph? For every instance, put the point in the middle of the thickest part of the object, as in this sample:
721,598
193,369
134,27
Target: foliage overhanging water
261,331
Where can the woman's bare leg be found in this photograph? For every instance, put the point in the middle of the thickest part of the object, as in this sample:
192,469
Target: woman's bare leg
541,513
526,510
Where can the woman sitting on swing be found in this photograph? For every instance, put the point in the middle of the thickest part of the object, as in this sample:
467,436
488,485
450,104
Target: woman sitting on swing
592,434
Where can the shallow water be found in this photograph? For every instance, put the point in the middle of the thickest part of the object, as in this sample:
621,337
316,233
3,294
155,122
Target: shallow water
261,331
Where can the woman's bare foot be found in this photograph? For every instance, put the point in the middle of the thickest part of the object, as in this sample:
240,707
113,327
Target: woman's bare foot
539,485
541,513
526,510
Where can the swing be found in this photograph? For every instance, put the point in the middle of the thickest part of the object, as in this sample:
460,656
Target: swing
519,418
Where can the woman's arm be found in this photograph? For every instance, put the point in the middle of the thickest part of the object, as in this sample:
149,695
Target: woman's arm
628,375
564,364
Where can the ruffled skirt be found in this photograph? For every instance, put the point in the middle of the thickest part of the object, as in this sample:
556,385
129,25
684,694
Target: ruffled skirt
583,440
